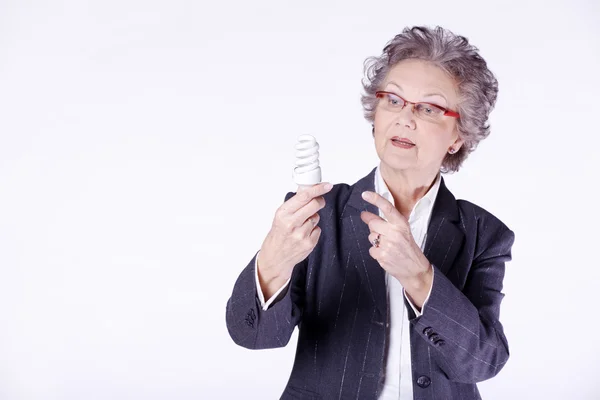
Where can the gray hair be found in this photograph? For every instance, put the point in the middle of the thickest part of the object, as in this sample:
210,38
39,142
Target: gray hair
477,86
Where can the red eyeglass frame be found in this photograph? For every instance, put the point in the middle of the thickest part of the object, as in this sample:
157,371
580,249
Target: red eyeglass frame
380,94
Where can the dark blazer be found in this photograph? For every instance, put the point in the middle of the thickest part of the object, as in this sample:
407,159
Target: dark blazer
337,297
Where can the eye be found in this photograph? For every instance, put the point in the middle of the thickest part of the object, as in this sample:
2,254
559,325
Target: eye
394,100
428,109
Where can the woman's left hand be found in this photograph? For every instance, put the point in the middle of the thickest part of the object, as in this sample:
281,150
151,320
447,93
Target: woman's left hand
397,252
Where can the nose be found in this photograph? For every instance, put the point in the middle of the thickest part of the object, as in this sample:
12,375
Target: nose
406,116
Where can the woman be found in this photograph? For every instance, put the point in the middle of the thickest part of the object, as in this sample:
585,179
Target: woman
397,292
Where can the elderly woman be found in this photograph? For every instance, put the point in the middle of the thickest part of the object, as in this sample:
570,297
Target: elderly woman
394,284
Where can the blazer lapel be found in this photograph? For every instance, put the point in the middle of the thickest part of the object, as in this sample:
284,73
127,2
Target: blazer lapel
443,242
368,268
444,237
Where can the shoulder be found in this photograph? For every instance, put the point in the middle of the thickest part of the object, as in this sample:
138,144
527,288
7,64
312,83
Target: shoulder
472,212
339,191
338,194
473,218
487,230
342,192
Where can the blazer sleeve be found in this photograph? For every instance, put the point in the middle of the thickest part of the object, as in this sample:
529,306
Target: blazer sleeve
254,328
463,327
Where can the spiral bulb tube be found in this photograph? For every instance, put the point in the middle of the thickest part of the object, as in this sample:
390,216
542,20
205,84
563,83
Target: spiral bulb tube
307,170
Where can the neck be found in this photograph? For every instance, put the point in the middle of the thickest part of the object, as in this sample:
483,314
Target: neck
407,186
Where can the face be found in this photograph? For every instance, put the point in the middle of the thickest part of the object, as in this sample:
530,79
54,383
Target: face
416,81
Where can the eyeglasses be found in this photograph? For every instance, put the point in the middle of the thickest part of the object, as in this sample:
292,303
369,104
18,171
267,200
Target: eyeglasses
426,111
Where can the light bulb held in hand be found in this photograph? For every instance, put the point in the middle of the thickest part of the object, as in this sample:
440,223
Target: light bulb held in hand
307,171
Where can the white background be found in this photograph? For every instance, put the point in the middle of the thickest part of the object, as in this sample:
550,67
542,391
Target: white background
145,145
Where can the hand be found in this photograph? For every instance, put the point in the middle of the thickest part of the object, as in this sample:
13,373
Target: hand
397,252
293,236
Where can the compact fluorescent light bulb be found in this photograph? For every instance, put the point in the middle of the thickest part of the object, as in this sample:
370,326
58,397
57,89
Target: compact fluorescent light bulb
307,171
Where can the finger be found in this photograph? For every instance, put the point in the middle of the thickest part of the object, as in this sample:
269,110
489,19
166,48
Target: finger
367,217
374,252
300,216
315,235
305,195
374,235
376,223
310,224
389,211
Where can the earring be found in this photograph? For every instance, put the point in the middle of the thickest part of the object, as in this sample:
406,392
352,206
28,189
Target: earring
373,130
452,150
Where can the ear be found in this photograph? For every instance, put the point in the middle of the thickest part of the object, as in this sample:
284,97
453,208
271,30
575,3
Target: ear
458,144
458,141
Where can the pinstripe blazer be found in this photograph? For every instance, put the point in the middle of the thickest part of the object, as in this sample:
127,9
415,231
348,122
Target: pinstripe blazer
337,297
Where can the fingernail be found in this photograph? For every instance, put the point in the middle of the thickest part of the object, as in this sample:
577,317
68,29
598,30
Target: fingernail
328,186
366,195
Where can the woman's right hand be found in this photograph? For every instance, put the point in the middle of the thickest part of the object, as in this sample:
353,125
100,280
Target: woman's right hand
293,236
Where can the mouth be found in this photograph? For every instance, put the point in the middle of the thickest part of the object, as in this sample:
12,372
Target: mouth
402,142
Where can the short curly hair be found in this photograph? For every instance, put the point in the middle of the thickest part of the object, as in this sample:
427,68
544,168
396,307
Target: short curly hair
477,86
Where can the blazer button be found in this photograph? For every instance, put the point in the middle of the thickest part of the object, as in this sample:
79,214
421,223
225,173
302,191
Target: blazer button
439,342
423,381
434,337
427,331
